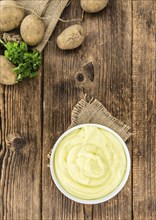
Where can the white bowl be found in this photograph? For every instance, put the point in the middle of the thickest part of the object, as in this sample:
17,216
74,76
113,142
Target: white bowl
112,194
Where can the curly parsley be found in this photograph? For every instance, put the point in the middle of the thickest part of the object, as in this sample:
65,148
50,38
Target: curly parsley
27,61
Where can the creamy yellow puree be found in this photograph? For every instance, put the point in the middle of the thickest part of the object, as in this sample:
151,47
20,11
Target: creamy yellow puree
90,163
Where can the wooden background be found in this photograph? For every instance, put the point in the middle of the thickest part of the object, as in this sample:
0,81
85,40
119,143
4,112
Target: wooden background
121,44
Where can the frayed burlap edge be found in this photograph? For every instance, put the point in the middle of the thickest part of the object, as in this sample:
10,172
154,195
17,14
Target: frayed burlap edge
54,9
95,112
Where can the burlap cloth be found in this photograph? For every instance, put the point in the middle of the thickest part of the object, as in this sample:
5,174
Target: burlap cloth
49,10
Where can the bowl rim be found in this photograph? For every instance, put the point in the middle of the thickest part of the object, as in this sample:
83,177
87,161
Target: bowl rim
105,198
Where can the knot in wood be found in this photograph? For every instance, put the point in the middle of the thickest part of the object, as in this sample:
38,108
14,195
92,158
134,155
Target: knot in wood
80,77
15,142
89,70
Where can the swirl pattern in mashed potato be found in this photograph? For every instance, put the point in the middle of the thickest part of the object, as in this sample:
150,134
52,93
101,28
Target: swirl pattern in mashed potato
90,163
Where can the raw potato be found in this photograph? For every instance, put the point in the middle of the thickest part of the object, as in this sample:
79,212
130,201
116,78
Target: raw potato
32,30
93,6
72,37
7,74
10,15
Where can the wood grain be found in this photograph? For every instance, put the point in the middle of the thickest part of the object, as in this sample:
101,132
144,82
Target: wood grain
21,169
60,94
144,110
117,65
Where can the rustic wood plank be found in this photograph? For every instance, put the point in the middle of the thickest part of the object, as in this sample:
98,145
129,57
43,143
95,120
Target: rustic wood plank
108,48
20,168
2,146
144,110
115,89
60,94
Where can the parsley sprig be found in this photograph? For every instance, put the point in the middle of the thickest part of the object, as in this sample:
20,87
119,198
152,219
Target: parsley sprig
27,61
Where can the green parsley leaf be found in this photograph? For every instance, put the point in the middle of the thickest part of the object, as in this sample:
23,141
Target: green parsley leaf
27,61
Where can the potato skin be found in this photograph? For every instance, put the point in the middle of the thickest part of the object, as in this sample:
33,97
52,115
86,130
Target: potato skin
10,15
32,30
7,75
93,6
71,38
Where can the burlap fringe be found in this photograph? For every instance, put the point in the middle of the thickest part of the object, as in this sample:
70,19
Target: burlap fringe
76,111
55,8
49,155
6,37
